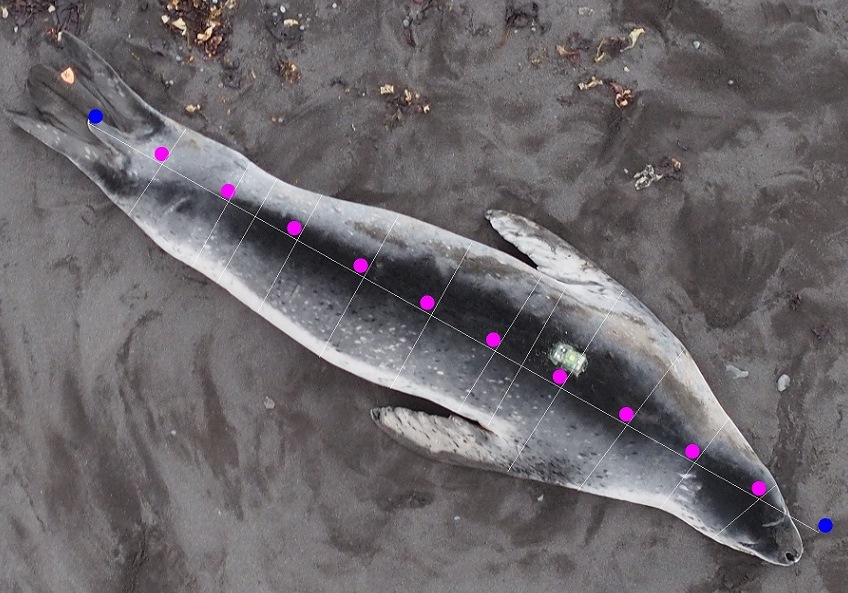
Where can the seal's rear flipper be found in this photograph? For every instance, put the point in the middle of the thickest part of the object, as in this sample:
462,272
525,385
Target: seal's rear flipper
450,440
63,102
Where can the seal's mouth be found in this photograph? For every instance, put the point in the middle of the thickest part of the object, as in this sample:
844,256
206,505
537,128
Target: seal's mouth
787,558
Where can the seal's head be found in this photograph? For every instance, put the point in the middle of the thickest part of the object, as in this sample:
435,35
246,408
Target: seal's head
738,517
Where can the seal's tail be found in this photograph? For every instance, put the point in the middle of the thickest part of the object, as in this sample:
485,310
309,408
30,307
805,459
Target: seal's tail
63,102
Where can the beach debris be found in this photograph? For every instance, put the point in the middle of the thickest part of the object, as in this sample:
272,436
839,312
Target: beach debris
783,382
590,84
519,17
612,46
585,11
192,108
537,56
736,372
624,97
203,24
286,28
269,403
523,15
696,44
821,331
572,55
540,498
667,167
63,15
403,102
289,71
572,48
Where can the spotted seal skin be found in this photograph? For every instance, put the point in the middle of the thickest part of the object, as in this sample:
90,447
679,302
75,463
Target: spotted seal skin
506,415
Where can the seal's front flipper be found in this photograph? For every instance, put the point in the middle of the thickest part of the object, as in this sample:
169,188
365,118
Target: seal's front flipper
556,258
451,440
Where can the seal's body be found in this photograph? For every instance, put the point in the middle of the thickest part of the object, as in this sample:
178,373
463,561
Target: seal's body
484,348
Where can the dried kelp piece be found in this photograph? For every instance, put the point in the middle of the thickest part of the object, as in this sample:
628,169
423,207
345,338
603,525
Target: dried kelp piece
403,102
203,24
524,15
666,168
572,55
612,46
590,84
289,71
624,97
65,14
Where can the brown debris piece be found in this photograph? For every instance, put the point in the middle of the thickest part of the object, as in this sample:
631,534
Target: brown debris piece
572,55
524,15
289,71
193,108
203,24
612,46
623,96
63,15
590,84
666,168
403,102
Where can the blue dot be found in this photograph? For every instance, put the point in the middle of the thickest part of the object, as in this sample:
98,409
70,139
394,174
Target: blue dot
825,525
95,116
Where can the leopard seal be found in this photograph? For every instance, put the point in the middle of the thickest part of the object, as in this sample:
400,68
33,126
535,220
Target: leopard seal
413,307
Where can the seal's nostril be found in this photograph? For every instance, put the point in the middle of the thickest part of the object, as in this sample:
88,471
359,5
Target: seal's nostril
790,557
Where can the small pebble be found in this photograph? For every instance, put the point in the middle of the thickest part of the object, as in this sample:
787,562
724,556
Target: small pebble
696,44
302,27
283,9
406,23
783,382
335,5
541,497
456,518
731,82
173,433
269,403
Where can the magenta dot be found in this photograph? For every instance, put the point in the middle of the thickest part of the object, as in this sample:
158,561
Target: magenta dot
161,154
294,227
560,376
228,190
427,302
493,340
758,488
692,451
360,266
626,414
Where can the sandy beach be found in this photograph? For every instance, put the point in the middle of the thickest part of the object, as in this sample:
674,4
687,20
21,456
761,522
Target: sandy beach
156,435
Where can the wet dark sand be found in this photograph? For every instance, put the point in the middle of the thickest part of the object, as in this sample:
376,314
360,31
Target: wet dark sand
135,450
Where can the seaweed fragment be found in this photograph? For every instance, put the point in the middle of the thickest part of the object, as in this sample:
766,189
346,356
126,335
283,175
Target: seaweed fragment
612,46
666,168
203,24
